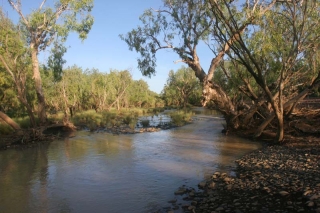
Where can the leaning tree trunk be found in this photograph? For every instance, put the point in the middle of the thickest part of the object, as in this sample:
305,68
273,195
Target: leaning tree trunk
289,105
214,93
9,121
19,80
38,86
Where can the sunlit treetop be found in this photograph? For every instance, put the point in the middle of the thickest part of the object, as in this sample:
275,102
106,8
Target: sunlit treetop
45,23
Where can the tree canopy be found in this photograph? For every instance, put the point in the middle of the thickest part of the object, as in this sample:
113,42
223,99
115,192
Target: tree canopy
262,49
46,24
182,88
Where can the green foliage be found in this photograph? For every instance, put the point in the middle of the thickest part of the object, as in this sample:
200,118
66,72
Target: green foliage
179,26
232,77
182,88
64,17
44,25
155,111
15,70
90,118
145,123
24,122
181,117
128,119
56,61
55,117
92,89
113,118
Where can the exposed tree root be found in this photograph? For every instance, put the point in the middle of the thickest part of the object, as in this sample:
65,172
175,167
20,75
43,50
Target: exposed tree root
304,122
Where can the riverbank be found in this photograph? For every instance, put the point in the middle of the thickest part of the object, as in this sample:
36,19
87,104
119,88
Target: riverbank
277,178
33,137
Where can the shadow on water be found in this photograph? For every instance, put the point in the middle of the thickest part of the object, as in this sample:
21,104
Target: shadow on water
101,172
23,178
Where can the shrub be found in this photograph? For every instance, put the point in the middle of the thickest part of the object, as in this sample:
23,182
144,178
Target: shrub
24,122
145,123
127,119
179,118
133,124
90,118
56,117
130,120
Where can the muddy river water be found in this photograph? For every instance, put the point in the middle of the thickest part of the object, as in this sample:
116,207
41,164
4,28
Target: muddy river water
101,172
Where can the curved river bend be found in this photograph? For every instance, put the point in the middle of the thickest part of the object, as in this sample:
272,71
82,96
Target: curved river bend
101,172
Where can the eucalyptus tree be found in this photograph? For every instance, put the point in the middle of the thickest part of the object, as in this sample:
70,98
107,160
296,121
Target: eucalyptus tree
263,63
181,85
15,61
121,81
169,95
139,93
181,26
8,95
65,92
274,52
100,84
45,24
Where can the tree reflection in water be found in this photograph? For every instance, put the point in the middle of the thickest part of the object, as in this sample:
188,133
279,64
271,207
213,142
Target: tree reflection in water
101,172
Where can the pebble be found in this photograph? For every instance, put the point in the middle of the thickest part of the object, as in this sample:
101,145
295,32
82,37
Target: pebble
180,191
283,193
202,184
280,178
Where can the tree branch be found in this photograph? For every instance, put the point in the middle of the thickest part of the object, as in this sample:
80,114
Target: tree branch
17,8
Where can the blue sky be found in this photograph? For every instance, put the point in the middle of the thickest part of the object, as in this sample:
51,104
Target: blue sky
103,49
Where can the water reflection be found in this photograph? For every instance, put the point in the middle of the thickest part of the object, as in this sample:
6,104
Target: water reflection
21,170
124,173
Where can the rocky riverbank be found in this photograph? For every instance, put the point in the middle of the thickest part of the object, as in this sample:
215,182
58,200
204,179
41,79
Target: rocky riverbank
276,178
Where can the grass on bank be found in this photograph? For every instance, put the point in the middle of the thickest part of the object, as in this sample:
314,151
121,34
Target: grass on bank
181,117
113,118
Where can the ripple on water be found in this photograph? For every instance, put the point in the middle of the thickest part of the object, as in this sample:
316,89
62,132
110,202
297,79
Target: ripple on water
102,172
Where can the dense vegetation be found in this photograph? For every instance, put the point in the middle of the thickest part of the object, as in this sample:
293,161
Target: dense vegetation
265,56
265,60
182,88
79,90
41,91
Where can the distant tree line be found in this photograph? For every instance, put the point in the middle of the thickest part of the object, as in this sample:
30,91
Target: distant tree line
30,88
79,89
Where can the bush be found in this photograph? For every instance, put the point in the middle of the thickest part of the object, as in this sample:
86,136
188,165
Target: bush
127,119
145,123
156,111
179,118
56,117
24,122
112,118
130,120
90,118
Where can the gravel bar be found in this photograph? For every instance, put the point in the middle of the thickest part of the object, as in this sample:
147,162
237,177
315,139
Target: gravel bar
278,178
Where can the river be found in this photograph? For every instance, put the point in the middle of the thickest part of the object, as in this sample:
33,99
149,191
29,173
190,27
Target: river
101,172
